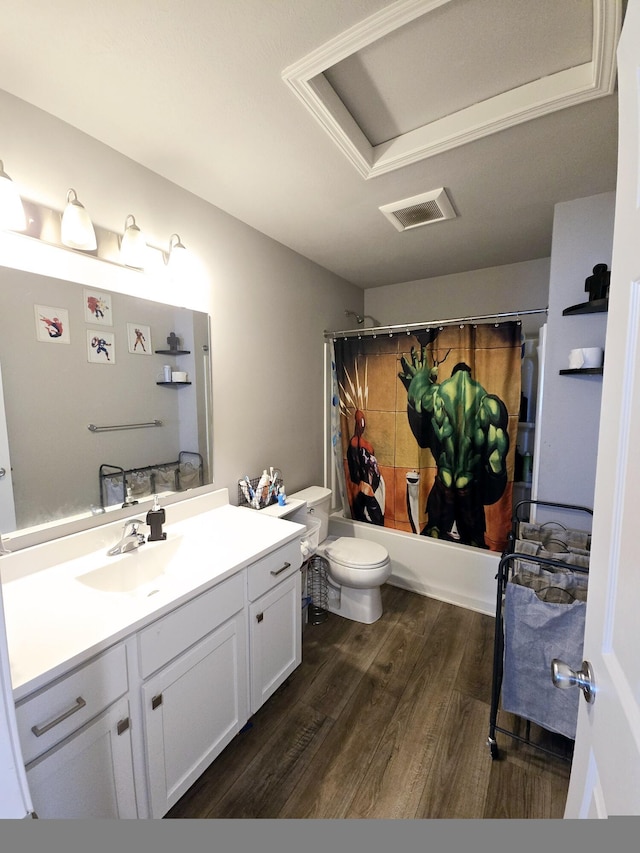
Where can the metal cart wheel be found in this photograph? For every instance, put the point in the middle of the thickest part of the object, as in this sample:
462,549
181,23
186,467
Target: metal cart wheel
493,748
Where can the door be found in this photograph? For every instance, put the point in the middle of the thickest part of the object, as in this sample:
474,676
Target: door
605,775
7,509
275,621
194,707
89,775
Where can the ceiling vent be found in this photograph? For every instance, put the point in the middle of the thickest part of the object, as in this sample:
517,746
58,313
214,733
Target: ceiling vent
419,210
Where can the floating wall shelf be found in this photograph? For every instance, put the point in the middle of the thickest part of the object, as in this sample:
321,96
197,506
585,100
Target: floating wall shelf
594,306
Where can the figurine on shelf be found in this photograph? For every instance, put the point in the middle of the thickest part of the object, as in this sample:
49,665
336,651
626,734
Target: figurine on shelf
174,341
597,285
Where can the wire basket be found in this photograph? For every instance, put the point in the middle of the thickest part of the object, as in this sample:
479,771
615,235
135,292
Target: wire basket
317,589
269,496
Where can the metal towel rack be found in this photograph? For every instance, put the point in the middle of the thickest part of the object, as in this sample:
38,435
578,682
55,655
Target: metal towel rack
95,428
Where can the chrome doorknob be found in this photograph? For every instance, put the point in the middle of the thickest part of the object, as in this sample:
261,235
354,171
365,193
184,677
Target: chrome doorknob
563,676
2,472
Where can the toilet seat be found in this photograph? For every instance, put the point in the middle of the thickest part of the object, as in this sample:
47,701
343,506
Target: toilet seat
357,553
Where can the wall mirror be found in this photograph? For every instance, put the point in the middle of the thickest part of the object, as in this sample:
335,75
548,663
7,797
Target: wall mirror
83,395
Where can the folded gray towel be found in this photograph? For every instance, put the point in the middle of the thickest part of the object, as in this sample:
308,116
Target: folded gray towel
524,546
578,539
555,536
580,560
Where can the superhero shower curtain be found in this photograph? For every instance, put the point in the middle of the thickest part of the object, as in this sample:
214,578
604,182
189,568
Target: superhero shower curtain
424,430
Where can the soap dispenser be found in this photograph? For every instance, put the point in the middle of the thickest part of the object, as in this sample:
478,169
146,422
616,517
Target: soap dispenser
155,520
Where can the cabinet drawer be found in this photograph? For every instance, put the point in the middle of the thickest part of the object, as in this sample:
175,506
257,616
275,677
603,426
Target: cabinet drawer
56,711
264,574
173,634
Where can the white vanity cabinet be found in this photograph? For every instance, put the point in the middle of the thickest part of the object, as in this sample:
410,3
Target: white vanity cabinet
275,620
194,696
76,739
160,683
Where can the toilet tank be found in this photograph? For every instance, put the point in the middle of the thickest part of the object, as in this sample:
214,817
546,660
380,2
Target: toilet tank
318,500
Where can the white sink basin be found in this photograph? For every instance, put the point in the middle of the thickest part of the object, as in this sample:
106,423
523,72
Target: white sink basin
143,570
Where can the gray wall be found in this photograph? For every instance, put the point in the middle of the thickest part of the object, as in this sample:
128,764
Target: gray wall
513,287
568,424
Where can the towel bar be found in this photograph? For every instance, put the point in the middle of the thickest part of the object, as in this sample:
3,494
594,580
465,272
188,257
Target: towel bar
95,428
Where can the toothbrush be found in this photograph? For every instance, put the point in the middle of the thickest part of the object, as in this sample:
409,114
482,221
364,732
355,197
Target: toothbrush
246,487
273,486
245,490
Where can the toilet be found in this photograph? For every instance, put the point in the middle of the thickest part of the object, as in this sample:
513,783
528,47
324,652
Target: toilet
357,567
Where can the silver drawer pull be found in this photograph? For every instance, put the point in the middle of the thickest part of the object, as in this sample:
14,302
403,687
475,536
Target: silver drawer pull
283,569
123,725
40,730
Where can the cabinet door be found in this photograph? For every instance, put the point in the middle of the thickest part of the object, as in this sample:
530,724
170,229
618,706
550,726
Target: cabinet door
275,638
90,774
193,708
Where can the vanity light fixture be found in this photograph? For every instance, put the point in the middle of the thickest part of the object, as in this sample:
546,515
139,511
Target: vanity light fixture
133,245
76,229
176,255
12,215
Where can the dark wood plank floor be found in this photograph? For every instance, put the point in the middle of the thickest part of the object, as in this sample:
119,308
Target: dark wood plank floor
388,720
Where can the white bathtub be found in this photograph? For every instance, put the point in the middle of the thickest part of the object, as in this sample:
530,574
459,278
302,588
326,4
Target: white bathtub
458,574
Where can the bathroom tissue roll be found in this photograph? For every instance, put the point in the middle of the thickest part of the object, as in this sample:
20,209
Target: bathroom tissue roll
585,357
593,356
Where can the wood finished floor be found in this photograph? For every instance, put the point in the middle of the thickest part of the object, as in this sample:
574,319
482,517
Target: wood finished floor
388,720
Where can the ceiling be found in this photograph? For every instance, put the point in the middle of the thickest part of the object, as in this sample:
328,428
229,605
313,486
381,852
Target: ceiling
304,118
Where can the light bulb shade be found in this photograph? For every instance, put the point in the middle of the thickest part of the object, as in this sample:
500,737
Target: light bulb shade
178,255
12,216
133,245
76,229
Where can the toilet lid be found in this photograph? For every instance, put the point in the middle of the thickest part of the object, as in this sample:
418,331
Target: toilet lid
357,552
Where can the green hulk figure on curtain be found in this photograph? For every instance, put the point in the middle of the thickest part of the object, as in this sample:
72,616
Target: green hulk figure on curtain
466,430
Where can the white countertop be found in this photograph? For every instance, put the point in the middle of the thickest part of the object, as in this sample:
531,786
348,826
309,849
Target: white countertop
54,621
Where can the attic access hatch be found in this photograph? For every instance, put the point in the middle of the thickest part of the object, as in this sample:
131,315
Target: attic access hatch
412,80
424,209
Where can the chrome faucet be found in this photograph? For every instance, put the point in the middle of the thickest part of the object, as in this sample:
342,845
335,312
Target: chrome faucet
130,540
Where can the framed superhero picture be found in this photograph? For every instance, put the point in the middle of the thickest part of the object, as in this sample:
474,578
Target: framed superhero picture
52,324
139,338
97,308
101,347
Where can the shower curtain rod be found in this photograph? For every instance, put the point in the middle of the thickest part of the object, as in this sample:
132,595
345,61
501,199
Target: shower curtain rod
406,327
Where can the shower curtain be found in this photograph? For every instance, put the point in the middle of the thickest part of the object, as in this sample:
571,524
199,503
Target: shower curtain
424,428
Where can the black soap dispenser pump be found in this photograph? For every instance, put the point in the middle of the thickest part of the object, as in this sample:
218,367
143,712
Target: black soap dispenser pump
155,520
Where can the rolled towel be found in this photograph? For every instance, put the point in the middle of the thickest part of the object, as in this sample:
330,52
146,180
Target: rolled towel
524,546
578,539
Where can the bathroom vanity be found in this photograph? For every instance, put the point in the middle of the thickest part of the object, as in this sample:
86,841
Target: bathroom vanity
131,673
